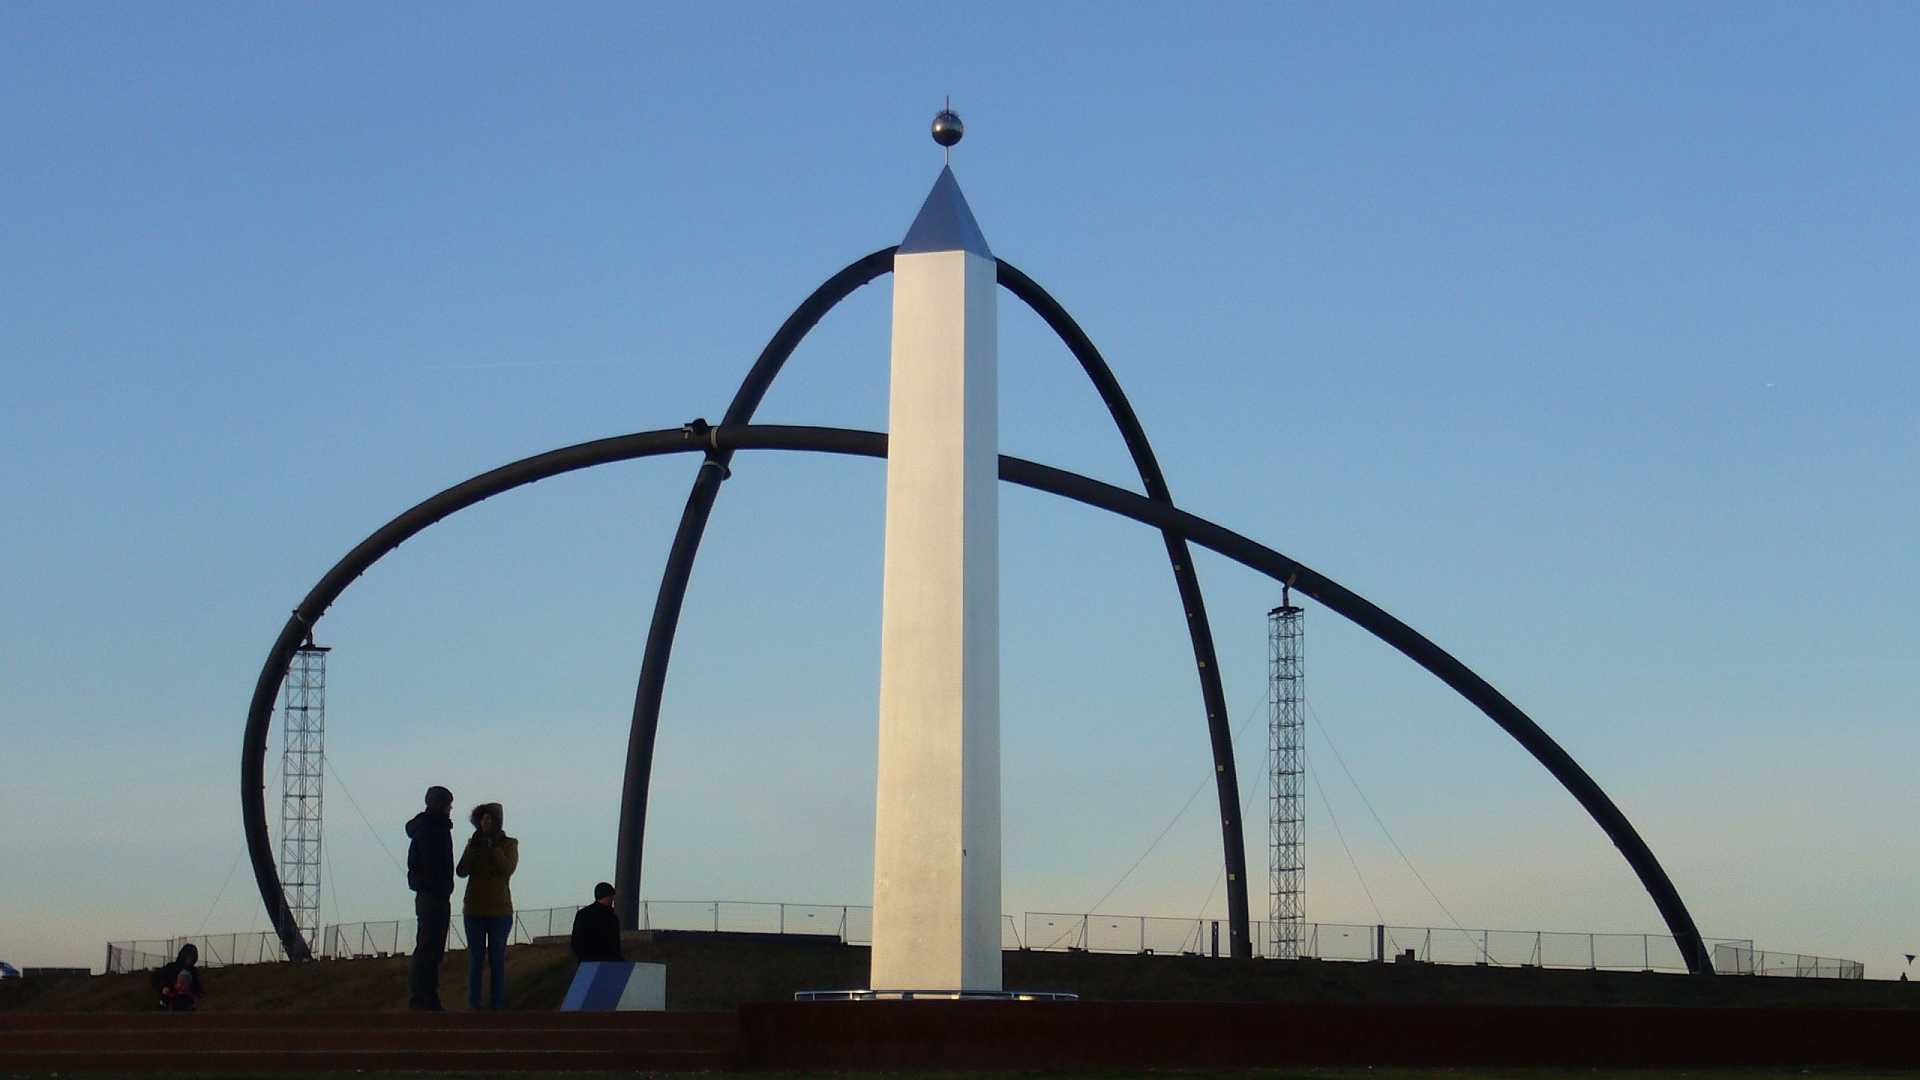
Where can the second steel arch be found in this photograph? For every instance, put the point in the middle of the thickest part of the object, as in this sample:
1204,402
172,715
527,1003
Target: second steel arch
706,488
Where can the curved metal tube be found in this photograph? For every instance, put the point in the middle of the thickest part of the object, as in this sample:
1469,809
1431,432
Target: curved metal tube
253,752
1413,646
673,580
699,437
1226,775
706,488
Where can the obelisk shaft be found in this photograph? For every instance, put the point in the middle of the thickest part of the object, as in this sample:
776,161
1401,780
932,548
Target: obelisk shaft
936,874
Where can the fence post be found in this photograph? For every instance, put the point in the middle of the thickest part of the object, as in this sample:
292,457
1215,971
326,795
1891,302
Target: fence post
716,916
1380,943
1593,959
783,920
1143,933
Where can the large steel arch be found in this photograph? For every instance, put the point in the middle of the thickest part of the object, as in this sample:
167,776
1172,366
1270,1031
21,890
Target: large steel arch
698,438
706,488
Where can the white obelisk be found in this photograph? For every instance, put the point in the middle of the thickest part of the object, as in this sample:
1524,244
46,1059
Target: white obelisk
936,859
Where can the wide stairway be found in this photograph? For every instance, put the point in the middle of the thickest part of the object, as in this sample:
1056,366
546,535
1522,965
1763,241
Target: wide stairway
341,1042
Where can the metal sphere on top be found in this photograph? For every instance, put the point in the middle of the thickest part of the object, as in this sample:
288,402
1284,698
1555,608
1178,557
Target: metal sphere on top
947,128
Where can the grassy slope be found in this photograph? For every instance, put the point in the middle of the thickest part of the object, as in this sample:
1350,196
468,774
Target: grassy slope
704,975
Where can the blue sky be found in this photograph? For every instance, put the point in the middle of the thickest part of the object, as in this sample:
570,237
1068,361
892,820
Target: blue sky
1579,337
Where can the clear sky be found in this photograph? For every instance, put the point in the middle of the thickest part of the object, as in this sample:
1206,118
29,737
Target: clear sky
1581,337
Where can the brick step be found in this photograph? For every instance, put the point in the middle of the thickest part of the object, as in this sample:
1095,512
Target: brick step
312,1061
373,1021
278,1039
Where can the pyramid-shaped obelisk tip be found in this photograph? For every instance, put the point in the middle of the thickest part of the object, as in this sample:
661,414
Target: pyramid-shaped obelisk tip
945,222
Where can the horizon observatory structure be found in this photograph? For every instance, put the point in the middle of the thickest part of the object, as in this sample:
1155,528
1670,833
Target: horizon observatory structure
937,840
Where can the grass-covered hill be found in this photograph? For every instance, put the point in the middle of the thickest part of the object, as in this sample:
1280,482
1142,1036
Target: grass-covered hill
709,975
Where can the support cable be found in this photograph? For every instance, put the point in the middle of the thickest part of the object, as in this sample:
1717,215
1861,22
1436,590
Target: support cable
1388,833
1327,804
1182,812
333,883
241,854
327,760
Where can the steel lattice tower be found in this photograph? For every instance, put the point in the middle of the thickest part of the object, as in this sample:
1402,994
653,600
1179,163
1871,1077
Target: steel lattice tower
1286,770
303,759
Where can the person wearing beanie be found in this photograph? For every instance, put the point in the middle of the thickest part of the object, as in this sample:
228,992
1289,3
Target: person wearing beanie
596,929
430,876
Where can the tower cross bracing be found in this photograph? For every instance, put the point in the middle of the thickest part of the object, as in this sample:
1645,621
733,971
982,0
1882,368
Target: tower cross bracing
303,762
1286,770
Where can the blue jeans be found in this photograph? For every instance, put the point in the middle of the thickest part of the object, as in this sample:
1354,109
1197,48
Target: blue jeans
487,944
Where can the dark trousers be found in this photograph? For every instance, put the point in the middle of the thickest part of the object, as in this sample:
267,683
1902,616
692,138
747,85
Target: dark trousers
429,945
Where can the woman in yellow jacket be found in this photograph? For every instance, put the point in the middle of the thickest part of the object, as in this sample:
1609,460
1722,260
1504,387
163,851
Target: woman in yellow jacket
490,859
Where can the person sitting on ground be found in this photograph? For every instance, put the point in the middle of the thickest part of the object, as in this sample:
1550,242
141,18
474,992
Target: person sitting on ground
596,929
179,982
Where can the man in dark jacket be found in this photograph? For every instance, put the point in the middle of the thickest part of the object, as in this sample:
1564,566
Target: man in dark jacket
430,876
596,929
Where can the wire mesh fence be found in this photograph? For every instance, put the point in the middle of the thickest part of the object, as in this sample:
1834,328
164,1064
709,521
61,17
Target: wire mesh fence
1496,948
396,937
848,923
1055,932
216,950
1741,958
1352,941
1045,931
842,922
